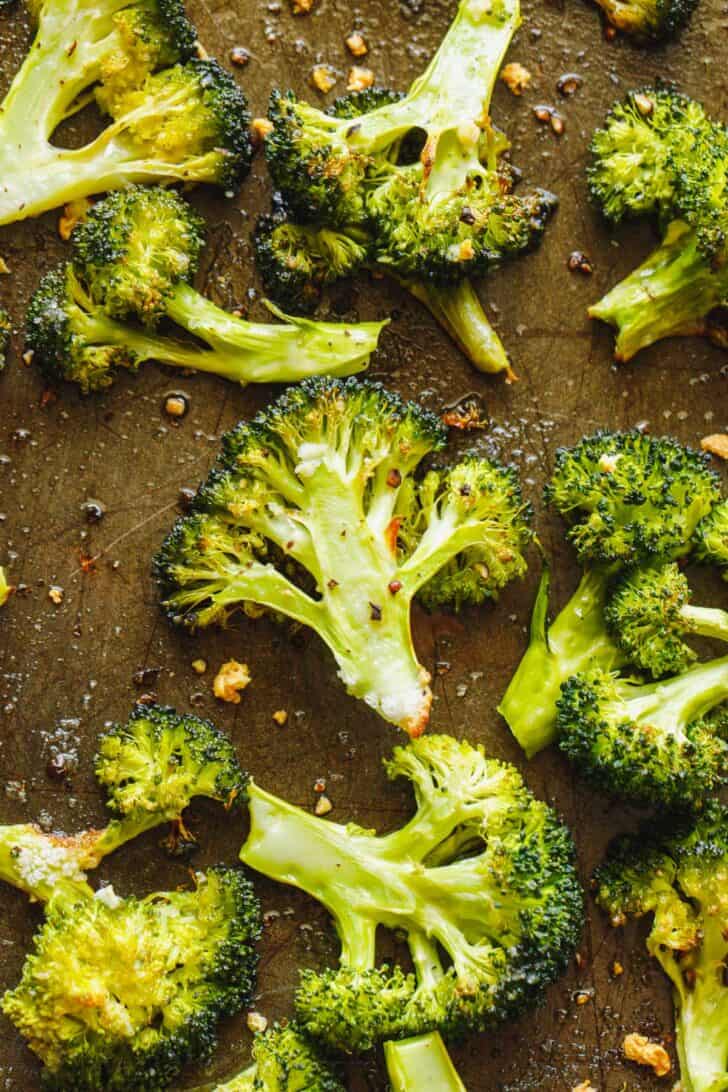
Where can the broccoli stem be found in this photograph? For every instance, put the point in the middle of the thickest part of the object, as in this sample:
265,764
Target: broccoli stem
422,1063
670,295
671,705
706,621
576,640
253,352
457,308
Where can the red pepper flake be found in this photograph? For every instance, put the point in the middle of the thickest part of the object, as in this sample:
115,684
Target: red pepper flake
394,478
88,564
394,586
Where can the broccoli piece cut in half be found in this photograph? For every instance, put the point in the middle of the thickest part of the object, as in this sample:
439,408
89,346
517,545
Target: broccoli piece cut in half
172,116
677,875
712,536
481,880
659,153
134,257
649,614
285,1059
629,500
648,21
413,185
315,512
653,743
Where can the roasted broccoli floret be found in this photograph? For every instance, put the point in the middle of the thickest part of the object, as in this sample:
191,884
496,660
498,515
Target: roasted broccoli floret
481,880
649,614
285,1059
712,536
172,116
311,514
648,20
119,993
629,499
414,185
135,253
678,875
647,742
659,153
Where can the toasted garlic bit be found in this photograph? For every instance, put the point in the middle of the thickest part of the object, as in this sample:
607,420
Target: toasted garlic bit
27,357
644,104
72,214
230,680
516,77
280,717
56,594
323,806
256,1021
585,1086
617,968
301,7
199,666
356,45
717,444
359,79
4,267
638,1048
260,127
323,78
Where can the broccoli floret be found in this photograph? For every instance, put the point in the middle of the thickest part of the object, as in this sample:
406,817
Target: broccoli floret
317,487
712,538
6,590
285,1060
650,742
119,993
678,875
173,117
482,874
660,153
629,499
649,614
648,20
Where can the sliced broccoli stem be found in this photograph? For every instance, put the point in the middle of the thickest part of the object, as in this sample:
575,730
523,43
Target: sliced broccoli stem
669,295
577,639
671,705
457,308
421,1064
268,353
706,621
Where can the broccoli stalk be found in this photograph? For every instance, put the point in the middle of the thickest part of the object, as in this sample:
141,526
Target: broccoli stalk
670,295
172,116
677,875
482,873
652,742
314,513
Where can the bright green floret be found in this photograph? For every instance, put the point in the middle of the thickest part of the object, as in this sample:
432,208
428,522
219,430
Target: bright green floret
647,742
171,116
678,876
285,1059
134,255
629,499
481,881
712,538
316,512
649,615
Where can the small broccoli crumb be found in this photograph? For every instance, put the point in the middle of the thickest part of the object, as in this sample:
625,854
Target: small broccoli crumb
638,1048
230,680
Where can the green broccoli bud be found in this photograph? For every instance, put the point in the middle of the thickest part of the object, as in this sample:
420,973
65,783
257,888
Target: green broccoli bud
483,873
647,742
312,487
284,1060
712,538
649,614
120,993
678,875
648,20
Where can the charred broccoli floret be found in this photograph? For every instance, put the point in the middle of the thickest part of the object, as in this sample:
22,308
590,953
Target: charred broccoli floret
413,185
311,514
630,499
678,876
285,1059
172,116
648,20
134,255
481,880
649,614
647,742
660,153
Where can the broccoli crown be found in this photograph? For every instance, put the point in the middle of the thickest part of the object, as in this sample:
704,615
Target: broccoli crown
712,537
119,993
302,516
645,614
678,873
133,248
159,760
193,117
649,743
483,874
285,1060
648,20
631,497
637,157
